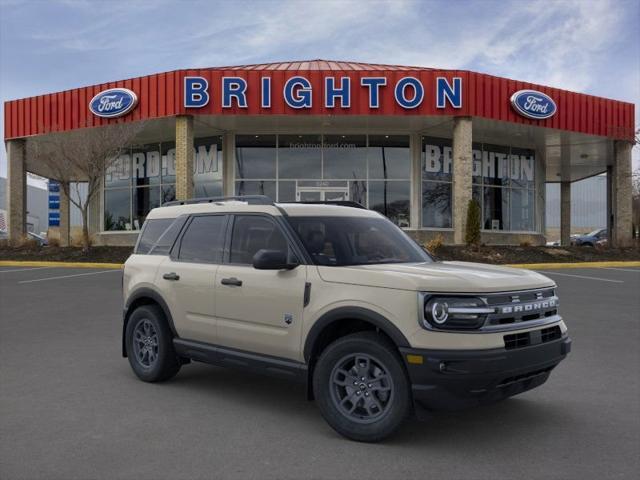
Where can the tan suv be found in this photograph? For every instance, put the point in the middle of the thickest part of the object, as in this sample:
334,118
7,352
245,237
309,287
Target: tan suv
339,297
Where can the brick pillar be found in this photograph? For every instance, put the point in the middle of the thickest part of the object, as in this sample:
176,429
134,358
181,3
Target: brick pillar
184,157
462,175
16,190
416,181
565,213
622,190
65,217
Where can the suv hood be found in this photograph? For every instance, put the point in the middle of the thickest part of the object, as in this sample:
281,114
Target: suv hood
451,277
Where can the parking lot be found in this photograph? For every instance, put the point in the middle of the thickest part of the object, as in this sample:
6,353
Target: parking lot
70,406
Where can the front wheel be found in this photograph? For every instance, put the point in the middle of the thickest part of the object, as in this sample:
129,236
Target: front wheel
150,345
361,387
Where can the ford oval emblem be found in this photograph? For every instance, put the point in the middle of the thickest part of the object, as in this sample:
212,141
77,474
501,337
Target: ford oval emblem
114,102
533,104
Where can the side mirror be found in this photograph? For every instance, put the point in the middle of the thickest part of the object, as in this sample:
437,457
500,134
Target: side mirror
272,260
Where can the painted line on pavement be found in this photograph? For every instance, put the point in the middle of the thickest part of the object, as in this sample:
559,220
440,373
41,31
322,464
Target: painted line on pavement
66,276
583,276
24,269
554,266
29,263
621,269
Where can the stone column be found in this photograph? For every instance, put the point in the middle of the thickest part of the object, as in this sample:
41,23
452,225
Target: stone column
16,191
565,213
462,175
228,164
184,157
621,184
416,180
65,217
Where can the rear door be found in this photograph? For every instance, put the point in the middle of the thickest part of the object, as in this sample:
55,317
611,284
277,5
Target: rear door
259,310
187,277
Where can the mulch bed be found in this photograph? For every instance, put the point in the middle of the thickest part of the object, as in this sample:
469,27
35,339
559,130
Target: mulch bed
483,254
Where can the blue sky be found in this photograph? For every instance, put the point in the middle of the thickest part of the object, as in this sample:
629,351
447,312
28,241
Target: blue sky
583,45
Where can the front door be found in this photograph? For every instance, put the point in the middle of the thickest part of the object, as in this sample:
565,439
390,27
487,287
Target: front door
259,310
322,192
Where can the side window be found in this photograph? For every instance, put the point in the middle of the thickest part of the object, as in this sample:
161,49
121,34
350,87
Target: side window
252,233
168,238
151,231
204,239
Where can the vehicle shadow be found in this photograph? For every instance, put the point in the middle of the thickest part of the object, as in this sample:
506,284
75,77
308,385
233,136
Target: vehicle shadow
517,417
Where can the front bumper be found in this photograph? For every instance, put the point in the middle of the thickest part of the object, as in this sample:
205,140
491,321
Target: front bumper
452,379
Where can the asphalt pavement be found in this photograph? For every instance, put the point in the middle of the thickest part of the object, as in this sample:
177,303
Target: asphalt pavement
71,408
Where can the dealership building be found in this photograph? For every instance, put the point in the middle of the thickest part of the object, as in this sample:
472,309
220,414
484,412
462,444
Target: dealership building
416,144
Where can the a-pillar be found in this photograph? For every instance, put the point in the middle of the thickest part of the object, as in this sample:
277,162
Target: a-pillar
565,213
462,175
622,189
16,191
184,157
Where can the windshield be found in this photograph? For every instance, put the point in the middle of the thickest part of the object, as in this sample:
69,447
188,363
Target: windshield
342,241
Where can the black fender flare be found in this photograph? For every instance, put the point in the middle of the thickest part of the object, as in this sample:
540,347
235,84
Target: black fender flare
146,293
352,313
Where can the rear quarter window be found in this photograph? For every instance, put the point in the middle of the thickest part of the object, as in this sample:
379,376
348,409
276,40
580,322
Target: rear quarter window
150,234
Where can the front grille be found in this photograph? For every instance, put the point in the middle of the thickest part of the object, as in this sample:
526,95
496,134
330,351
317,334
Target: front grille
520,307
520,340
524,377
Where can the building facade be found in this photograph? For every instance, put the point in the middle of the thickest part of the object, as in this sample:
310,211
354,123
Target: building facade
415,144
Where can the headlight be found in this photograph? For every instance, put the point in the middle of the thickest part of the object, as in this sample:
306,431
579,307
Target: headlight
455,313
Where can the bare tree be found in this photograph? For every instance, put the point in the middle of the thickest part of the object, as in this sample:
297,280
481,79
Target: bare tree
82,156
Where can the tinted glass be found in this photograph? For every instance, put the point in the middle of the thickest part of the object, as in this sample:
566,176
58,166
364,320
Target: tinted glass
207,167
300,156
341,241
495,165
151,232
257,187
146,164
118,174
204,239
522,203
252,233
117,209
144,200
522,167
436,204
345,156
168,162
255,156
437,163
165,242
496,208
392,200
389,157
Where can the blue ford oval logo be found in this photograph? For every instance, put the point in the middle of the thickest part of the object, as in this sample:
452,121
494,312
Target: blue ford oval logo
533,104
114,102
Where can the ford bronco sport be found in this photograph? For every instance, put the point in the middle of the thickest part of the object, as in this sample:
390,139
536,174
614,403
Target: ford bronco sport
339,297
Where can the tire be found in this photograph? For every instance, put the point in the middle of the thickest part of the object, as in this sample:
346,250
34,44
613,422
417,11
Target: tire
152,357
384,398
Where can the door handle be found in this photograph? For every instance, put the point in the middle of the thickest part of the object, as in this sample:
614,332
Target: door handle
171,276
233,281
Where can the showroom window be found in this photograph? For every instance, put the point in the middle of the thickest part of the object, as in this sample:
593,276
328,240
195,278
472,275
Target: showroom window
503,185
373,170
144,176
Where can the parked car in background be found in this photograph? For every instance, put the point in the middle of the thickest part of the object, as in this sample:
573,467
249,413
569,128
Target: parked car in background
590,239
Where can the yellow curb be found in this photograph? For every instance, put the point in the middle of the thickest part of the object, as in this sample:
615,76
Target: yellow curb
549,266
28,263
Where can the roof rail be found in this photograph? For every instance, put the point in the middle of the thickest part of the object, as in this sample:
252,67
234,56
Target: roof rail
340,203
250,199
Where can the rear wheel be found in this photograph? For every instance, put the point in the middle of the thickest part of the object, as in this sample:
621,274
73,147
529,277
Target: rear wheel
361,387
150,345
